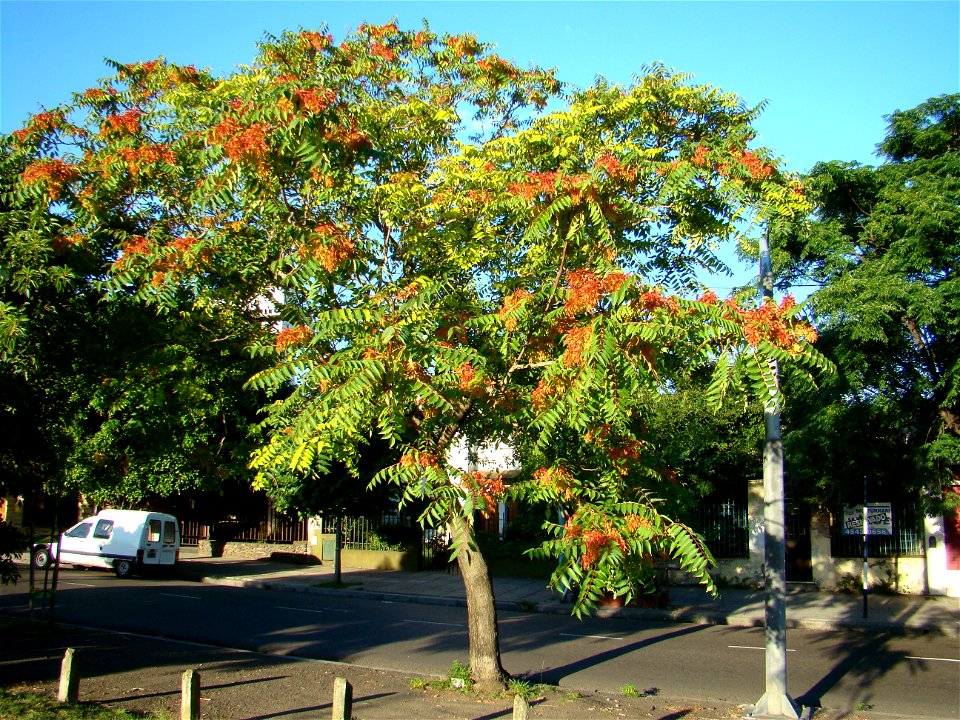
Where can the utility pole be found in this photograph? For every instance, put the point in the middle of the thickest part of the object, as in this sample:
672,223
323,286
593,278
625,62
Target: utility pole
775,702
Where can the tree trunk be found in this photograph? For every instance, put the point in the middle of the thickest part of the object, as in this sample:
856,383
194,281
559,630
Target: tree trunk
486,671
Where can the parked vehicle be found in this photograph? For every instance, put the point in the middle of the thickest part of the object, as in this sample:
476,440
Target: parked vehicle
124,541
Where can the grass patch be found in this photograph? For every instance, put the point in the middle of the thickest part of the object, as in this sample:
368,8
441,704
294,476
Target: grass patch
418,683
459,676
527,690
336,585
30,706
629,690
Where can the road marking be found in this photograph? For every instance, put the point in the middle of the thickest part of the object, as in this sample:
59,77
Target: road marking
912,657
750,647
185,597
321,611
428,622
595,637
67,582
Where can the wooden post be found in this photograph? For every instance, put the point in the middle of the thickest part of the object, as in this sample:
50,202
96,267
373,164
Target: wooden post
342,699
190,695
521,707
69,678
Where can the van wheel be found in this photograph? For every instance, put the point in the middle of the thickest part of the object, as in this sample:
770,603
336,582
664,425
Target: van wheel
123,568
41,558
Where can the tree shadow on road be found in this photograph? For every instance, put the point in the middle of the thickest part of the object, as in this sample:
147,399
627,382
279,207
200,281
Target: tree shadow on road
864,658
556,674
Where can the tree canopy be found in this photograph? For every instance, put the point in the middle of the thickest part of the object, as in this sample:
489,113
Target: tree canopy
427,242
882,250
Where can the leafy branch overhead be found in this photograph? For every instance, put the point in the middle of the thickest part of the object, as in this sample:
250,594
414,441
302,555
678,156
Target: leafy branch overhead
433,243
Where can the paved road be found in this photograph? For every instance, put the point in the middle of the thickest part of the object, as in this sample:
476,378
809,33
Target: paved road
904,676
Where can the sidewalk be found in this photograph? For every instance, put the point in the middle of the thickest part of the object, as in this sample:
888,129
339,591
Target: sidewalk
805,609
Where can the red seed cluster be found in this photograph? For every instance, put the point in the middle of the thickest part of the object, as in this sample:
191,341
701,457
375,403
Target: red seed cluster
317,41
145,157
52,173
315,101
292,337
576,341
122,123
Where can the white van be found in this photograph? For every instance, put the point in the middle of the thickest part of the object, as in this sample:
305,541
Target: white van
119,540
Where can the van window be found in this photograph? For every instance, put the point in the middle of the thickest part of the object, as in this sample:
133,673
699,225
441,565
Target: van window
153,531
169,532
80,531
104,529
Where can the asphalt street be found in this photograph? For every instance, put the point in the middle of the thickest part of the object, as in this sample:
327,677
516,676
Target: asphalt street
903,675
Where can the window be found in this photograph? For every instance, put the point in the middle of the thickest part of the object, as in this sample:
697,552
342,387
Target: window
153,531
80,531
169,532
104,529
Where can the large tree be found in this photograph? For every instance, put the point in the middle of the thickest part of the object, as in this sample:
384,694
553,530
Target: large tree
455,247
882,250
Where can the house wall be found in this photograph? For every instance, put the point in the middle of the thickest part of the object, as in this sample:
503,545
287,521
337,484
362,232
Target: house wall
943,552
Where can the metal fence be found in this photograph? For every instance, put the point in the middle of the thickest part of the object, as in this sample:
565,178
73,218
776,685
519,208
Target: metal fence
724,526
906,541
275,528
392,530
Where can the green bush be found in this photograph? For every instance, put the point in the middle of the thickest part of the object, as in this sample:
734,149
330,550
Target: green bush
13,541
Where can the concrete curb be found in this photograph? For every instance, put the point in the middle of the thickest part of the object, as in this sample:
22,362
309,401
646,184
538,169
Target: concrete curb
686,615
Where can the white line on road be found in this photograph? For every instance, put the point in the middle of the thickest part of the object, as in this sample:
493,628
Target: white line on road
750,647
428,622
67,582
594,637
912,657
321,611
185,597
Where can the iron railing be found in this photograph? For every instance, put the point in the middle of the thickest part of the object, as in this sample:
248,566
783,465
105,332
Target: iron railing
724,525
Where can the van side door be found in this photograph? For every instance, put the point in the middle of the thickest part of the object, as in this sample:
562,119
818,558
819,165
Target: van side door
153,543
75,545
100,538
171,542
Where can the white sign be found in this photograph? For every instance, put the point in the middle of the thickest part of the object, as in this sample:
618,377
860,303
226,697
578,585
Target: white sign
879,518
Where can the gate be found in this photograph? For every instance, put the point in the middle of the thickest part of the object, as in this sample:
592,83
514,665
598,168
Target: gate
799,549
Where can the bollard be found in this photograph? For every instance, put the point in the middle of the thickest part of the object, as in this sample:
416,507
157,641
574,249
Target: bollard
69,678
190,695
520,707
342,699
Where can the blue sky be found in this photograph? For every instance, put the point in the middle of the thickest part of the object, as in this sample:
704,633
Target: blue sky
828,71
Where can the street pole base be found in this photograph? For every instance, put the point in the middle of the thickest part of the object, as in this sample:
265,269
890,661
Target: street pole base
785,709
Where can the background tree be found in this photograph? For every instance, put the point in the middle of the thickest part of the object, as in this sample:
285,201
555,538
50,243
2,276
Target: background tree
882,249
449,259
121,402
711,450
